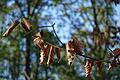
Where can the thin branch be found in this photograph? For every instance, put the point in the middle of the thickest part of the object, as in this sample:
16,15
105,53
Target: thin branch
94,12
33,30
88,19
89,57
36,5
106,61
44,27
19,6
41,6
110,51
28,7
86,16
96,59
57,35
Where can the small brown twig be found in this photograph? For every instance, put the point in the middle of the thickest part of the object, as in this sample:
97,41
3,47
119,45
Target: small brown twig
57,35
96,59
19,6
85,56
36,29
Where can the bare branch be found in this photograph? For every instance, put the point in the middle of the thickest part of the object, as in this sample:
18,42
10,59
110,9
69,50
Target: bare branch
19,6
57,35
94,12
89,57
28,7
33,30
44,27
36,5
110,51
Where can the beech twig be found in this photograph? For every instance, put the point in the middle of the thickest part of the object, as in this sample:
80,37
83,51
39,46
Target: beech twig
110,51
89,57
36,29
57,35
19,6
96,59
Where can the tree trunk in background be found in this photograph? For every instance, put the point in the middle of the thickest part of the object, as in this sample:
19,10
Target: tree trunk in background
37,66
27,65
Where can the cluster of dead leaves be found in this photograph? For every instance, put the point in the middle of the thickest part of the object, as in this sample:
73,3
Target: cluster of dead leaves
99,63
25,23
73,47
47,49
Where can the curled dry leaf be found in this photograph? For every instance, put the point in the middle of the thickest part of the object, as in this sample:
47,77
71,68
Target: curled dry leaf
99,65
44,53
58,54
113,64
51,55
70,53
27,23
77,45
10,29
39,42
88,68
25,27
116,52
37,39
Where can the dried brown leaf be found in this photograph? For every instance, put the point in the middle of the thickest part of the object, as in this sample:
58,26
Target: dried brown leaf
39,42
44,53
99,65
37,39
51,55
116,52
77,45
10,29
113,64
70,53
58,54
27,23
88,68
25,27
